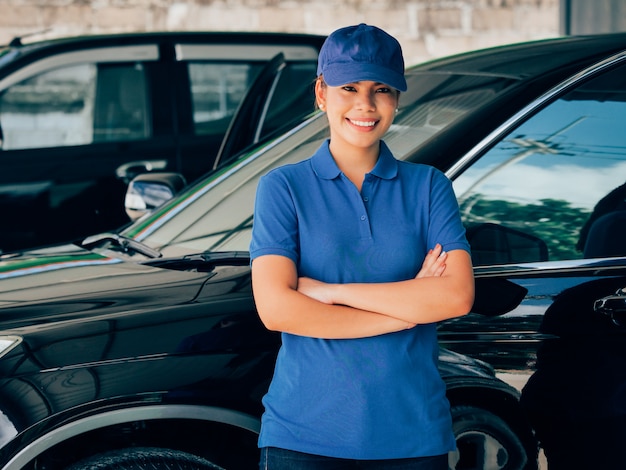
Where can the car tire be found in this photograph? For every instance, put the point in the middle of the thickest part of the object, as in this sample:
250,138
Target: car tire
484,441
144,458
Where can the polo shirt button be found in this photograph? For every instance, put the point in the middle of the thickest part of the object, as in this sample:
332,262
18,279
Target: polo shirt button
366,198
362,217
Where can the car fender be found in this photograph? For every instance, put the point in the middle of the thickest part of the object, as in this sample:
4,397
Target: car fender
46,435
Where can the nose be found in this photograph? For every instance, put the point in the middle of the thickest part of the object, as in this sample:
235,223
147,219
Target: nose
366,100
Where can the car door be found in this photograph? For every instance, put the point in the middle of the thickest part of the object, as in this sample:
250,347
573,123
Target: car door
219,78
246,125
78,125
543,202
71,122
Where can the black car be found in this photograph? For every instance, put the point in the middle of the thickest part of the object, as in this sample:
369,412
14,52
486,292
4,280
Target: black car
81,116
145,344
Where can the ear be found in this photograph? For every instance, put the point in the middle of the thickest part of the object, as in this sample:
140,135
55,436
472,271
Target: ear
320,94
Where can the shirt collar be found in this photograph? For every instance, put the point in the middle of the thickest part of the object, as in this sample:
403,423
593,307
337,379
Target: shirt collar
325,167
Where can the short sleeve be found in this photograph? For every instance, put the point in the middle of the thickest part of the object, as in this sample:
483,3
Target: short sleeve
275,224
446,226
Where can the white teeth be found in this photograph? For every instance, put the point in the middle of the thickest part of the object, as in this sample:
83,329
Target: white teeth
363,123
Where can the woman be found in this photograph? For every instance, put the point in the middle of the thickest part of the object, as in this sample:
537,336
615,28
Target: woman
355,257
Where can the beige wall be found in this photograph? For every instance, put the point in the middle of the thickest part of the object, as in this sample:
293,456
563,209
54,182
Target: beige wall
426,28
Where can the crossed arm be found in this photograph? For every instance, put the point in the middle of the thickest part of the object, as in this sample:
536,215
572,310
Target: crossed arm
444,288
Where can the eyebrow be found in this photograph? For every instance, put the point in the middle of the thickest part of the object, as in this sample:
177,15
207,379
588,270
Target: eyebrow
375,83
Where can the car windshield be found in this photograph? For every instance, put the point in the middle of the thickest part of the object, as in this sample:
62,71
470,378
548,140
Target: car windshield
216,214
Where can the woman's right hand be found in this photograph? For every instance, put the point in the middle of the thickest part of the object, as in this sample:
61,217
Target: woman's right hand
434,264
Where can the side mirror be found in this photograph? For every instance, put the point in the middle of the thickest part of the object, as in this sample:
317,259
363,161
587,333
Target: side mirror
496,296
149,190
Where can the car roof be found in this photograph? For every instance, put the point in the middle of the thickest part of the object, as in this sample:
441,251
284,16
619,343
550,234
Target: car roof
527,59
184,36
16,51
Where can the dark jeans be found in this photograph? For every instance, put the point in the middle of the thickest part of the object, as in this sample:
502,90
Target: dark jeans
273,458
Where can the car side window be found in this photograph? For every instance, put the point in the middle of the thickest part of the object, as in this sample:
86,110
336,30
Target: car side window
50,109
538,194
291,100
216,91
122,109
75,105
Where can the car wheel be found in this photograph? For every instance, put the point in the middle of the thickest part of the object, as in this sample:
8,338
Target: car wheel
484,442
144,458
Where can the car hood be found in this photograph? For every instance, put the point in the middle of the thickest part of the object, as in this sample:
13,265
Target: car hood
66,282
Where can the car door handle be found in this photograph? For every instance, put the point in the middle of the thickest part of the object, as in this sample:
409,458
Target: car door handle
129,170
613,306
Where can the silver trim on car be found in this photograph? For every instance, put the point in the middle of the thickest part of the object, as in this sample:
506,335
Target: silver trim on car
121,416
142,53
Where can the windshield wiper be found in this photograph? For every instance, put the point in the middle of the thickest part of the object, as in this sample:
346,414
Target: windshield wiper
203,262
221,257
125,244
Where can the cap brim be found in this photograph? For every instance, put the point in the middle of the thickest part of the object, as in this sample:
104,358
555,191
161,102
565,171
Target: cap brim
340,74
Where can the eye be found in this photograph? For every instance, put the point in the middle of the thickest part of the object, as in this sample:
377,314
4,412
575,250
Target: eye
383,90
348,88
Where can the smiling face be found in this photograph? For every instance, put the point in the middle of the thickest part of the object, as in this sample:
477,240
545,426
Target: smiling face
359,113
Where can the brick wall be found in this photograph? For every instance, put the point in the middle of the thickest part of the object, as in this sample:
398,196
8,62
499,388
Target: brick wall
426,28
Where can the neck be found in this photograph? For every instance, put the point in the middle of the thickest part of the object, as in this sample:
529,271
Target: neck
355,162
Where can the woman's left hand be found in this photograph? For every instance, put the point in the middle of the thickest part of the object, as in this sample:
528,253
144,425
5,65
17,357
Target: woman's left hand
317,290
434,264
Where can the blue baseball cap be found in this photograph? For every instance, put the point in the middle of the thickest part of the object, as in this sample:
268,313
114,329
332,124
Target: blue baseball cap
361,52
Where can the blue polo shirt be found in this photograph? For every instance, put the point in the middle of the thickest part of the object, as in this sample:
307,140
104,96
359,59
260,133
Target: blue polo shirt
370,398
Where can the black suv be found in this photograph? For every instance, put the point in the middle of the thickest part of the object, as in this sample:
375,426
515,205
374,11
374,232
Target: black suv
144,344
80,117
